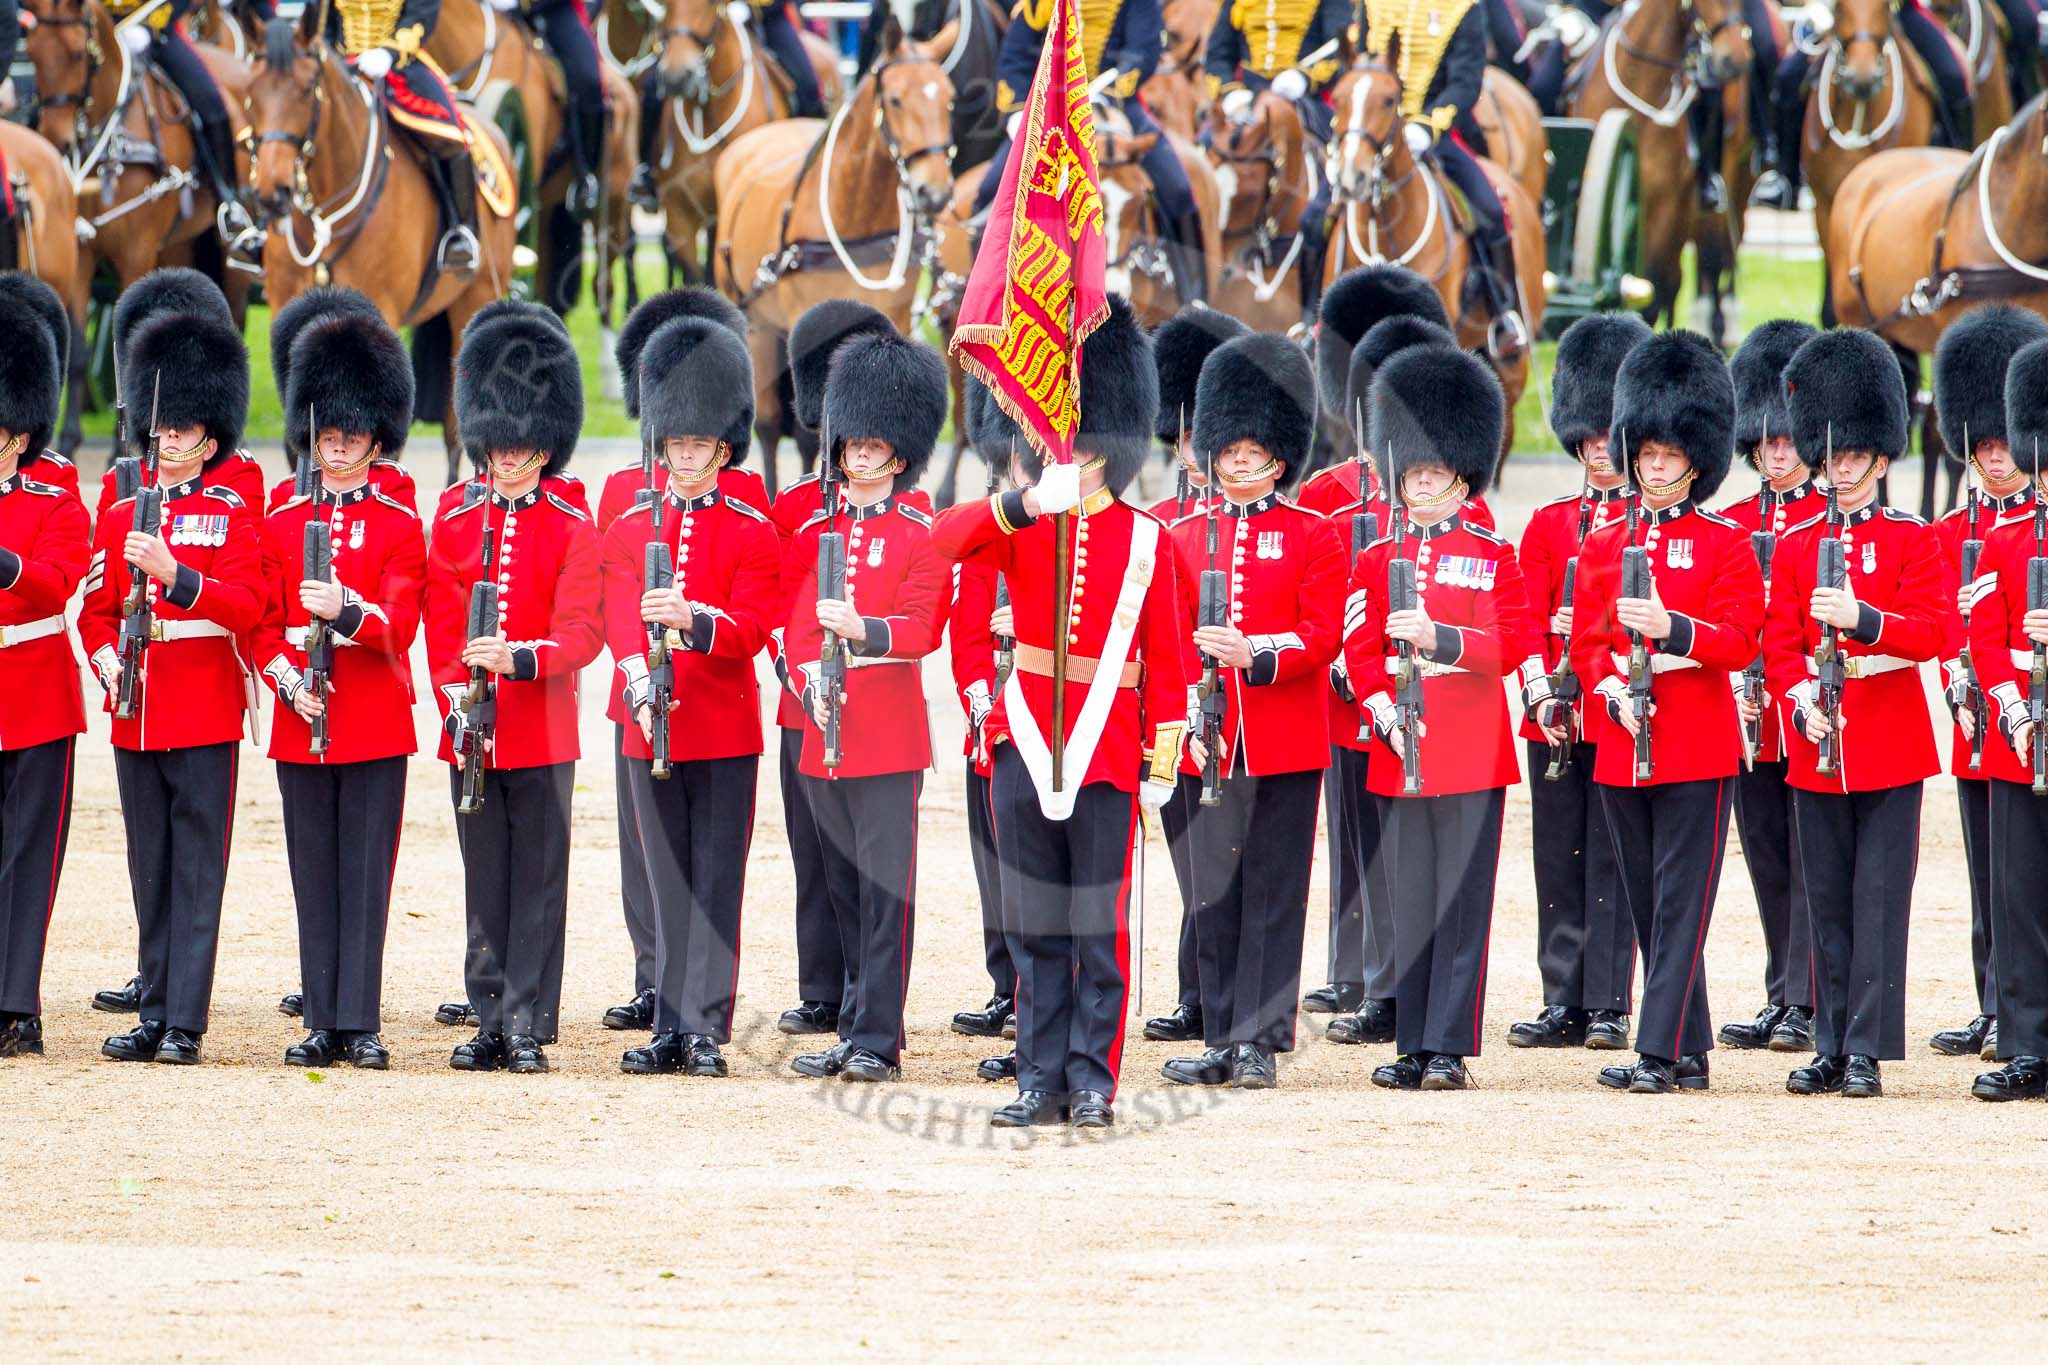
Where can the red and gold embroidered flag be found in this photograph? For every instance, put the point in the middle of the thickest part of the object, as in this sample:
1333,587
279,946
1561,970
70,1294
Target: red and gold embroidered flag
1036,290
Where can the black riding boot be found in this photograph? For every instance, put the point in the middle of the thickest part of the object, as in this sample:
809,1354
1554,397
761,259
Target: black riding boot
1183,243
1315,243
653,109
459,252
1960,121
586,148
1508,336
1706,121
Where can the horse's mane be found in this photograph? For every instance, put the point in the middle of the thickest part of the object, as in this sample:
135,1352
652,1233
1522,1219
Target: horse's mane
280,45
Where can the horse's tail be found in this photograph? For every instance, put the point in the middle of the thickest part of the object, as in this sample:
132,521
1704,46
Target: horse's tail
433,355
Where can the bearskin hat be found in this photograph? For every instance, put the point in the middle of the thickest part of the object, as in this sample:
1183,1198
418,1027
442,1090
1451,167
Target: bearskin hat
643,322
42,301
1845,391
816,335
1674,388
992,431
892,389
318,302
167,289
1758,373
1358,299
1381,342
352,372
519,385
204,371
1119,395
1589,356
697,379
2026,405
1181,345
1969,372
31,384
1261,387
1437,405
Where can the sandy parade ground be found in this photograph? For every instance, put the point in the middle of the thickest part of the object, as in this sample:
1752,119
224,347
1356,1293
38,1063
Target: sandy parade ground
242,1206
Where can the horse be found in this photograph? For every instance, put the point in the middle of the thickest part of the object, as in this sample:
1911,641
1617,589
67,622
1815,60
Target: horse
1390,208
973,30
1919,235
804,213
141,199
715,85
38,212
1267,173
342,202
1513,123
1177,92
1976,26
1654,61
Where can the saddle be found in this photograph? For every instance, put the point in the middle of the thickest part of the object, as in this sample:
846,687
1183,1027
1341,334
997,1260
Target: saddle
1581,71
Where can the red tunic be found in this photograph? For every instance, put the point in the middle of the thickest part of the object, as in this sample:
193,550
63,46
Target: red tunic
1793,506
567,487
193,680
1896,573
380,560
973,648
1469,583
53,469
623,487
1020,547
1549,544
44,550
1333,489
1950,532
1708,580
726,560
1286,572
1999,643
544,555
899,584
238,472
387,476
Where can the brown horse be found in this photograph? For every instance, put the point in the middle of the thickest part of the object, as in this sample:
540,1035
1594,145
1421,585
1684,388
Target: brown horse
1176,94
1653,63
839,208
716,86
1267,173
345,202
1390,208
1982,48
39,237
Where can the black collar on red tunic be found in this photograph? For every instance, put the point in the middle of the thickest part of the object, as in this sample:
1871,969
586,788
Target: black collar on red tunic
182,490
2011,502
1249,509
1867,512
348,499
703,504
518,504
1441,528
10,483
849,512
1596,496
1803,489
1661,516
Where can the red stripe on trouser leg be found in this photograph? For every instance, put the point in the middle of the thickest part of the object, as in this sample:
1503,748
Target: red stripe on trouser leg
1123,955
1700,939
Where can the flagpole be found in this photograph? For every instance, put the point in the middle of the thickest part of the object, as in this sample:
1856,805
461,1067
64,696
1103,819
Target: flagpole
1062,574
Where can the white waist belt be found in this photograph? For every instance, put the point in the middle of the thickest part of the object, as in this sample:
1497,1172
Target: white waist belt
165,631
295,636
2023,659
1863,665
31,630
1428,668
1659,663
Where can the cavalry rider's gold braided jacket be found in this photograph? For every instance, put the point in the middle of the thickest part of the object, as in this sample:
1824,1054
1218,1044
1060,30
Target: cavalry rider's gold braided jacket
160,18
1425,28
1098,22
395,24
1273,36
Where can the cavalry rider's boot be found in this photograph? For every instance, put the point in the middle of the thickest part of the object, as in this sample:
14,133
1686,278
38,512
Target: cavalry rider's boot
459,252
654,108
1315,244
1778,186
1508,336
1960,119
586,146
1705,117
1184,253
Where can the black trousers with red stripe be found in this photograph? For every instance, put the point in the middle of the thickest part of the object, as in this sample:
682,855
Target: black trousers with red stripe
341,823
1764,818
1382,966
1442,857
1251,854
1668,841
1585,944
1354,837
1973,801
1192,959
637,896
2019,918
820,963
1860,851
988,880
515,878
179,809
1067,885
867,827
35,821
697,826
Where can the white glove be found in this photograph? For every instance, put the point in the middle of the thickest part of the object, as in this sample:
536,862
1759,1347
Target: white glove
1237,105
135,37
1574,30
505,6
1419,137
1155,795
8,99
1290,84
375,64
1016,122
1059,488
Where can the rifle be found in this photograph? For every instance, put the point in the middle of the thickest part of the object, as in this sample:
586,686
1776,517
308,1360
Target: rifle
1832,571
138,621
659,574
1365,529
318,562
831,588
1973,690
1635,582
1183,488
1763,543
1213,609
1401,596
1564,680
2037,600
479,705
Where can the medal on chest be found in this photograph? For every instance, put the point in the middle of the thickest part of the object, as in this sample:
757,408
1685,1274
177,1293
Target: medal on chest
1678,553
1272,545
1869,559
1465,571
202,530
875,548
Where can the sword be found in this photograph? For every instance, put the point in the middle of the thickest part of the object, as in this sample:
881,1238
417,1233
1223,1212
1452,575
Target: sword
1138,916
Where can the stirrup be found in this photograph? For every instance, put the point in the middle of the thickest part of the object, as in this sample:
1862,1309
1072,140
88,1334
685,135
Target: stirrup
582,197
641,192
1713,192
1507,349
456,244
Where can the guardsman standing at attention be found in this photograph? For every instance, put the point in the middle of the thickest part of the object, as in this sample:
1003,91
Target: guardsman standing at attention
343,784
1763,796
43,554
1860,744
697,813
510,695
1585,944
1249,790
1970,366
1667,800
386,474
885,403
1069,850
198,584
1435,415
43,465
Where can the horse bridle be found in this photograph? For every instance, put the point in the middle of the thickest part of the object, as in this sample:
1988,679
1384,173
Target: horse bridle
93,58
1698,44
706,42
1379,187
890,143
307,142
1270,158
